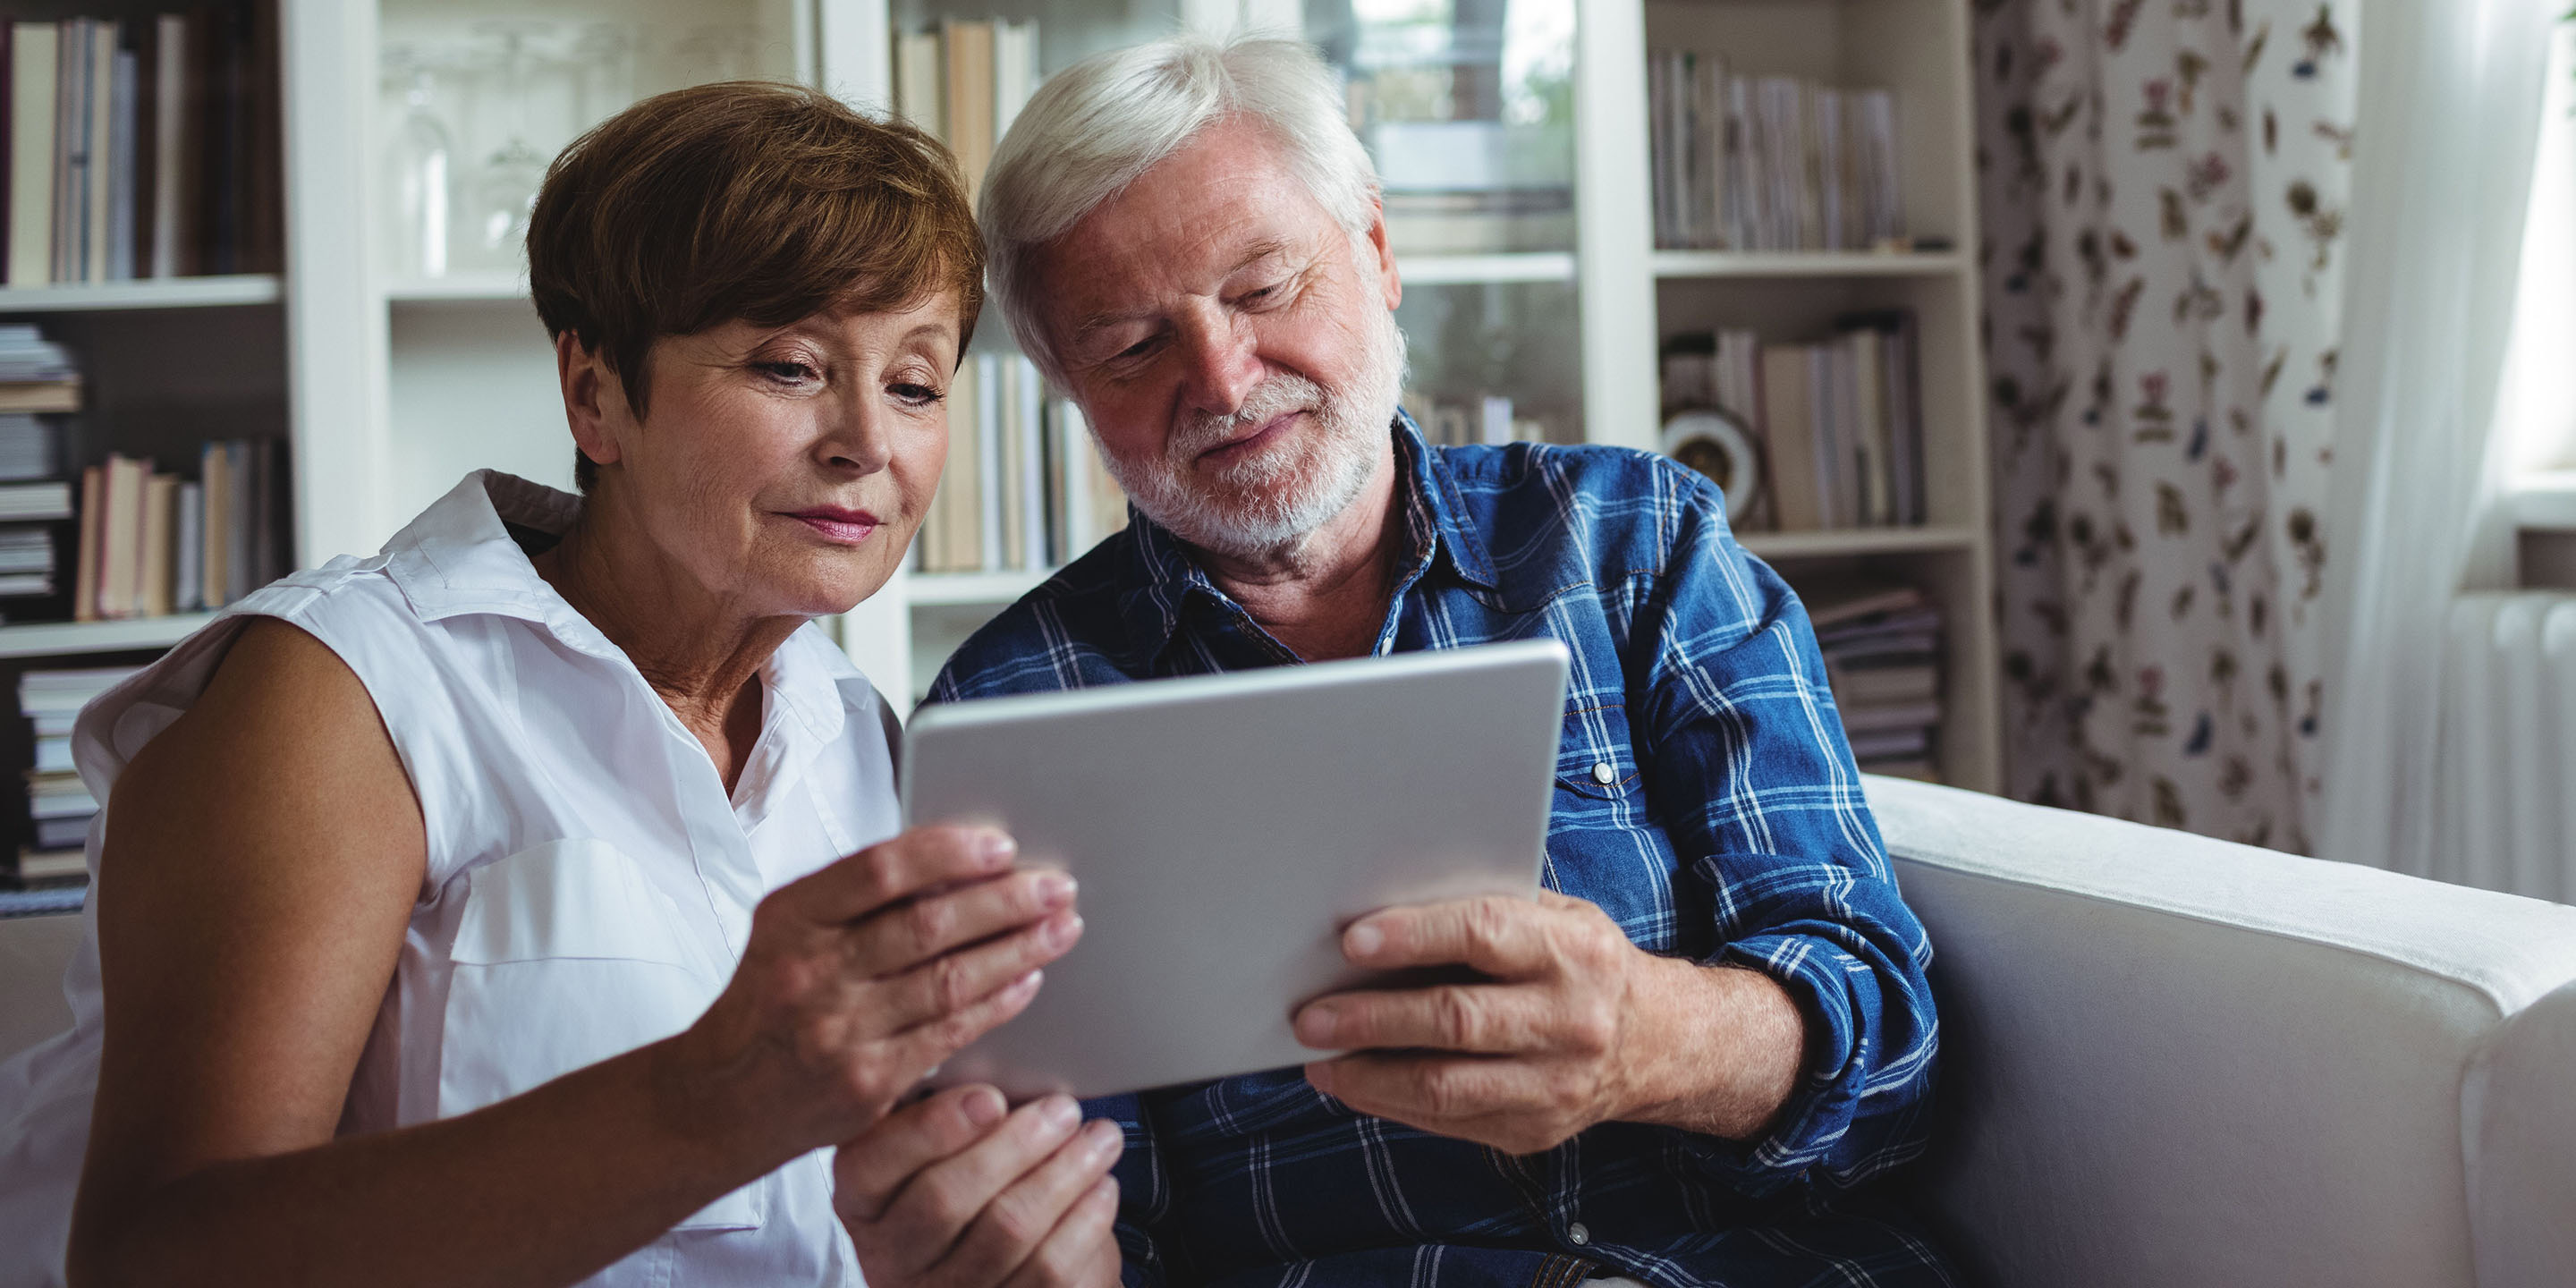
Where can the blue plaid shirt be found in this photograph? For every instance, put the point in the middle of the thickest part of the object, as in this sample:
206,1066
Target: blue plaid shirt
1733,830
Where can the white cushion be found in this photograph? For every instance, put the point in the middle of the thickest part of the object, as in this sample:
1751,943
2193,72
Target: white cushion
2172,1060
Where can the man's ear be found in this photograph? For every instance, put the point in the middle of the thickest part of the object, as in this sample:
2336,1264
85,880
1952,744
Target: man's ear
1389,285
594,402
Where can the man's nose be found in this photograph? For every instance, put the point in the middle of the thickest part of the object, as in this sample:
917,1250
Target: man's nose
1223,364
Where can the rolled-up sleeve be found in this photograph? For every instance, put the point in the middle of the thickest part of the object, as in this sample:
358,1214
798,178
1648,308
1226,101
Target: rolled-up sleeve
1762,801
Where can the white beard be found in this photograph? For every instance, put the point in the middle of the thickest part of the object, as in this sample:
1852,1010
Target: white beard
1268,503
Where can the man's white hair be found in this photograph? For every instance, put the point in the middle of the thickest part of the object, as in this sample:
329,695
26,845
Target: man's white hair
1097,126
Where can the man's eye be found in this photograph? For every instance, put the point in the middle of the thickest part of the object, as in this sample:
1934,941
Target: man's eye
1259,296
1136,350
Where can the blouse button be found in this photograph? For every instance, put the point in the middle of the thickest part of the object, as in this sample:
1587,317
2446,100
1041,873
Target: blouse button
1603,774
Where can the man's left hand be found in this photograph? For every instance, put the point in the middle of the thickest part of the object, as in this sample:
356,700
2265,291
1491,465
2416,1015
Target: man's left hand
1541,1052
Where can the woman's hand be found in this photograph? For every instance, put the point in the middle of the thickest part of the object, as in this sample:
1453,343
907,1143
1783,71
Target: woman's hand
861,978
952,1192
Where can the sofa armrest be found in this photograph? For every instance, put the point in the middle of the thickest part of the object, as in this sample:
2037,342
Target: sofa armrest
2169,1059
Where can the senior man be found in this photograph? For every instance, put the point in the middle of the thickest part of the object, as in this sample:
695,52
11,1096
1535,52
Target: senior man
1715,1025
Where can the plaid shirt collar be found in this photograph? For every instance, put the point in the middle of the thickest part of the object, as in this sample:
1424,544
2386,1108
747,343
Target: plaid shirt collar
1163,574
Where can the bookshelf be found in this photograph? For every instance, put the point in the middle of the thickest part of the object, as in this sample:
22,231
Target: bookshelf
388,385
404,382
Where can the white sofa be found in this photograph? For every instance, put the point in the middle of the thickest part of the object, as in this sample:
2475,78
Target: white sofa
2175,1061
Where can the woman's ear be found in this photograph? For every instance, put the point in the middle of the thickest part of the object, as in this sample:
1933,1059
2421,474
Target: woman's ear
594,402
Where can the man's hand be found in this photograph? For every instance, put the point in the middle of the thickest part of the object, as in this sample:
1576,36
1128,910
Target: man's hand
1577,1026
952,1192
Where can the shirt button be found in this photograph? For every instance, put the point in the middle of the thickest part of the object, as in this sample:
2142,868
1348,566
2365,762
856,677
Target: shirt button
1603,774
1577,1235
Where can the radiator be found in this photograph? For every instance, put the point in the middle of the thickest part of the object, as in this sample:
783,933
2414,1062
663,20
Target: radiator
2507,813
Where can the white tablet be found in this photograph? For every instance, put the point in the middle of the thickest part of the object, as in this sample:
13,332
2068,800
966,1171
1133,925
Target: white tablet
1226,828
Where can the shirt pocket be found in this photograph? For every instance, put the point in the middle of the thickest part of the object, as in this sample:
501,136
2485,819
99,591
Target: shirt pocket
1604,843
566,955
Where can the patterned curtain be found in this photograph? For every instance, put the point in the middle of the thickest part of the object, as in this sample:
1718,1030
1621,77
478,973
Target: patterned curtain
2163,187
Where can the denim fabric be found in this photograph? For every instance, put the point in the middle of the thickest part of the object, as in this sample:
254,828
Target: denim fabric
1732,830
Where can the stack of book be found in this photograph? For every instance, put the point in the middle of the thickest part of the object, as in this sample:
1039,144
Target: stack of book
59,807
36,377
144,148
1840,421
1770,163
964,81
152,544
1472,187
1882,647
1024,488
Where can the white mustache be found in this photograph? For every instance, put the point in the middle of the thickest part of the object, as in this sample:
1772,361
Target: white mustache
1268,400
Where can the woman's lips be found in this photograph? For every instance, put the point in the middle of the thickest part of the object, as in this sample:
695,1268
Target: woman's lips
849,527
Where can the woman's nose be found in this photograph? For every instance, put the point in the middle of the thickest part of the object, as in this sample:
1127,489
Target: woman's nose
861,439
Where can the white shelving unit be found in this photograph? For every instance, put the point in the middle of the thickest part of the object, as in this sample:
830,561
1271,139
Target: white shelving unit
398,387
161,293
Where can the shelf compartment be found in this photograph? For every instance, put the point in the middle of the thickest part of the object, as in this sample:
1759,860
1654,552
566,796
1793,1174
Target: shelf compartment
1673,264
51,639
1847,542
149,293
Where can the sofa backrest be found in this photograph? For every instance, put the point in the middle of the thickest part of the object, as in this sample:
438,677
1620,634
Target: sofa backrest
2172,1060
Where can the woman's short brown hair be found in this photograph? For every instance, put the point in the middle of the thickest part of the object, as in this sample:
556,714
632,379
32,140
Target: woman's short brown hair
748,200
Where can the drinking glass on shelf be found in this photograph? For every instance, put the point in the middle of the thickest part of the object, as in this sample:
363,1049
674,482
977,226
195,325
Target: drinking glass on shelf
505,190
417,175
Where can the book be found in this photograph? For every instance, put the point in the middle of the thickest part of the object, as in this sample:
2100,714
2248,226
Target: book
961,486
241,575
32,97
969,97
1789,424
1007,472
188,563
30,448
1904,682
98,97
51,499
120,559
1028,428
124,102
40,395
919,94
93,508
1833,603
153,579
214,468
167,141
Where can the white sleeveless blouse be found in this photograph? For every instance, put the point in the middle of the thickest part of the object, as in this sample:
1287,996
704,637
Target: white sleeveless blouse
590,884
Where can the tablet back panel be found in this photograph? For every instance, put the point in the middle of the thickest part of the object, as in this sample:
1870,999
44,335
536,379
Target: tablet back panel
1226,828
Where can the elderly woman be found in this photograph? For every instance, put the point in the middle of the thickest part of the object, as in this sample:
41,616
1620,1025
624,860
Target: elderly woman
526,903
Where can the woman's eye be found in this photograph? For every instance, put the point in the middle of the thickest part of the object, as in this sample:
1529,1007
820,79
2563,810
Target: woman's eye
788,371
915,395
1136,350
1262,295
